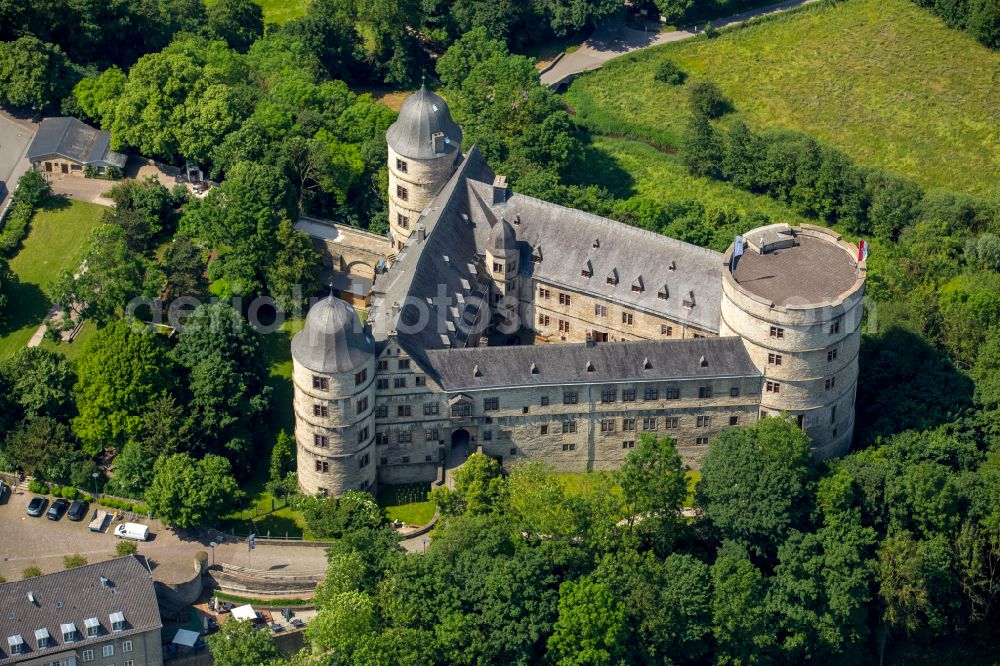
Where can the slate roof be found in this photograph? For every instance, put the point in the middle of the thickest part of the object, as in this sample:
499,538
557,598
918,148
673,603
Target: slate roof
69,138
560,364
72,597
570,241
422,115
333,338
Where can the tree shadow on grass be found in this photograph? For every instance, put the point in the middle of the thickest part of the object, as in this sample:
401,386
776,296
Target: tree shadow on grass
55,202
905,384
597,167
26,305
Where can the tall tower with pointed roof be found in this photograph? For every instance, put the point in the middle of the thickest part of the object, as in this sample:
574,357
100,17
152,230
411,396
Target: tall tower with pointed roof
424,144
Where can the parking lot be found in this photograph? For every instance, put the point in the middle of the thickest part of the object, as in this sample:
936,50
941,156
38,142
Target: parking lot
27,541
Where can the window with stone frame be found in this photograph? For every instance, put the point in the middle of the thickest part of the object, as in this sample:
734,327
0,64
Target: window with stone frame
381,438
363,461
628,395
360,377
487,435
431,435
382,365
570,397
321,441
321,466
363,435
491,404
704,421
734,392
672,393
666,330
402,193
544,401
403,221
569,447
628,424
563,326
607,425
671,422
734,420
772,387
651,393
774,359
361,406
543,430
431,408
381,411
628,444
600,310
830,383
401,165
382,383
777,332
649,423
420,380
321,383
321,411
568,426
627,318
404,410
831,355
404,363
399,382
704,391
609,395
701,441
564,299
404,437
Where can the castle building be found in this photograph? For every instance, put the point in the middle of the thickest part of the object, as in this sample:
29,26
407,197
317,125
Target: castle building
531,331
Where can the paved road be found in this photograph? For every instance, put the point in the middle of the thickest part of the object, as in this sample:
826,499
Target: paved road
15,137
27,541
611,41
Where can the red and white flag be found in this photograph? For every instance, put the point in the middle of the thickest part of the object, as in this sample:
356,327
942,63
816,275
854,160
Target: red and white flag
862,251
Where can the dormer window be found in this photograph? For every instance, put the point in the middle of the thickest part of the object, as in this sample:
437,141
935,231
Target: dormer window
42,638
597,243
590,366
16,644
703,362
689,300
117,621
613,277
536,255
663,294
93,627
587,271
637,285
534,369
672,266
68,632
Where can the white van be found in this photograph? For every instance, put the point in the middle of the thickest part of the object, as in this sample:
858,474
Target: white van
133,531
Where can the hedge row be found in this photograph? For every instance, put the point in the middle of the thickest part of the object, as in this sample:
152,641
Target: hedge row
32,190
111,503
264,603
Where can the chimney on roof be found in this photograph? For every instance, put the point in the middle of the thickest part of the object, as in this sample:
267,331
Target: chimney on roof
421,232
440,142
499,190
476,372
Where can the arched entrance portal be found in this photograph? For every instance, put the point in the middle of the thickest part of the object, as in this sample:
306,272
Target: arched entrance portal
460,438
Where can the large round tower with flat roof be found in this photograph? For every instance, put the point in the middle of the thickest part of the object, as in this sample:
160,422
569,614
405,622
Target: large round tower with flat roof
795,297
333,375
424,144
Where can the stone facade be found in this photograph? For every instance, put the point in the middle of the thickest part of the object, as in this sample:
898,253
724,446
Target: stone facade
413,184
633,333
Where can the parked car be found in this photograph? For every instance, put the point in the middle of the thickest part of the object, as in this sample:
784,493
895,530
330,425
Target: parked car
77,510
134,531
36,506
4,491
57,509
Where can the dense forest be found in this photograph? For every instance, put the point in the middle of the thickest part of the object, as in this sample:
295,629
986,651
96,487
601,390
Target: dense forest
774,559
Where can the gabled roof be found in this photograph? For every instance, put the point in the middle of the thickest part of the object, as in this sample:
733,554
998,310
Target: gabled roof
69,138
72,597
561,364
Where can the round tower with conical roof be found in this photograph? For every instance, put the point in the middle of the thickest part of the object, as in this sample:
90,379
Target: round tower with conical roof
424,144
333,375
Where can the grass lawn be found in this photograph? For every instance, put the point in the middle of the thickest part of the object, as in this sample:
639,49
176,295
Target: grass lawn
407,502
882,80
278,11
55,239
630,168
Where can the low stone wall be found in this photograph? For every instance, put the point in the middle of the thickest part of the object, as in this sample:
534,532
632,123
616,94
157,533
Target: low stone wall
173,597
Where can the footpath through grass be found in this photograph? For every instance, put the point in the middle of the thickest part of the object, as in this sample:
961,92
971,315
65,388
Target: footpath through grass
55,240
882,80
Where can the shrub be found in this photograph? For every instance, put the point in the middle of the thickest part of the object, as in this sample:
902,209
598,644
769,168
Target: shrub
55,489
31,190
113,173
668,72
89,171
70,493
38,487
2,580
123,548
708,100
710,31
31,572
74,561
